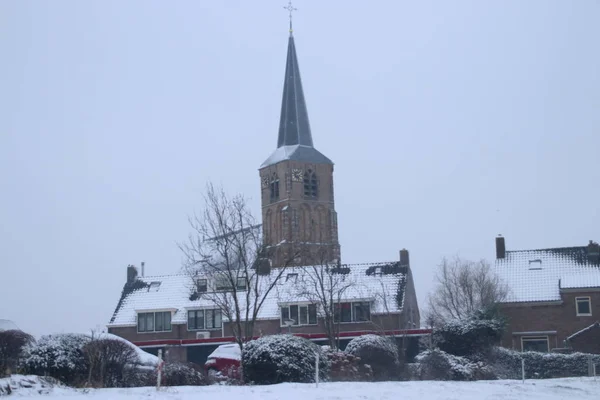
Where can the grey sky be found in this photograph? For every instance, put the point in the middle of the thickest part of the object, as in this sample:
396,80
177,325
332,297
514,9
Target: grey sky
449,122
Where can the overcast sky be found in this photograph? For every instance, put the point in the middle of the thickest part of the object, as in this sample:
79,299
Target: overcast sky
448,121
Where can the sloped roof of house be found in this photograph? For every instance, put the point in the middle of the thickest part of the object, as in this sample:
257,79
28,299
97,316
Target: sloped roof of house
595,325
539,275
383,284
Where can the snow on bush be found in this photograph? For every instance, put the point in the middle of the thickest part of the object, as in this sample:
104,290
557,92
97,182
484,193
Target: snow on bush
507,364
111,362
346,367
281,358
59,356
144,357
465,338
182,374
439,365
12,343
378,352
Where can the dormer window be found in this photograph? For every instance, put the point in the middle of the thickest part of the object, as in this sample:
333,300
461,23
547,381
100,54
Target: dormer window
224,283
201,285
535,264
274,185
154,286
310,184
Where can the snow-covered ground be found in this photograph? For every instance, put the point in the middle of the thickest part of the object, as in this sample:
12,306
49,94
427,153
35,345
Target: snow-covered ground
551,389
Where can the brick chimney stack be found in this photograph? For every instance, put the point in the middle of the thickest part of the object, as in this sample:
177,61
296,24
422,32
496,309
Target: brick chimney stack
404,261
593,251
500,248
132,273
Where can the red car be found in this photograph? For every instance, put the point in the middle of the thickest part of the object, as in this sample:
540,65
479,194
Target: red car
224,362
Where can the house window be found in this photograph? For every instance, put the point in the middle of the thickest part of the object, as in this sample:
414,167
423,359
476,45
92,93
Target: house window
358,311
310,184
201,285
305,314
535,343
223,284
204,319
584,306
154,321
274,185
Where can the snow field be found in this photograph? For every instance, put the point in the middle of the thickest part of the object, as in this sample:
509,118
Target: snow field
550,389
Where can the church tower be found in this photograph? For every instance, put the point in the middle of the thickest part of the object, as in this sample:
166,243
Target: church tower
298,213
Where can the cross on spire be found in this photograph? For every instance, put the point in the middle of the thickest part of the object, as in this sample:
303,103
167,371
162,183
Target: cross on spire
290,8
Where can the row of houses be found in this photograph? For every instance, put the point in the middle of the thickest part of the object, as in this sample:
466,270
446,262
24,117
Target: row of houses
553,304
189,315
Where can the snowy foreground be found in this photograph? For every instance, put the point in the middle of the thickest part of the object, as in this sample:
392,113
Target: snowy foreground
550,389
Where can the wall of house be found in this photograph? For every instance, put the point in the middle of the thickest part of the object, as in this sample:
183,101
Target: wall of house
410,315
562,318
587,342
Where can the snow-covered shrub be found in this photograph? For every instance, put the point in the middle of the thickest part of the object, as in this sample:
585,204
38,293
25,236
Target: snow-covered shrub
173,374
507,364
439,365
182,374
110,362
282,358
466,338
59,356
346,367
379,352
12,343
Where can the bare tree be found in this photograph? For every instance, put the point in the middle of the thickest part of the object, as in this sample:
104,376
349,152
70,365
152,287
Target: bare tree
108,360
326,285
462,288
226,248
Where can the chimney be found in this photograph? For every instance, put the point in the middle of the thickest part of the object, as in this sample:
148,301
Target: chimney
593,251
131,273
143,269
404,258
500,248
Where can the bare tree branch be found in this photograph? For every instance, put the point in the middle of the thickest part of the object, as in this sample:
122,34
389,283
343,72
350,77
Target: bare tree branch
462,288
226,248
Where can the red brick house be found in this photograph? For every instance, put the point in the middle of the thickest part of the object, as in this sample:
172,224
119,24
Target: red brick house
168,312
554,297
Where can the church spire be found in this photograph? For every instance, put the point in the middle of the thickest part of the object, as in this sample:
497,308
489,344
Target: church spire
294,127
294,141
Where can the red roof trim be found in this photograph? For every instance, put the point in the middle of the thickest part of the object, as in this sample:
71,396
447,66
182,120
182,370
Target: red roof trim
311,336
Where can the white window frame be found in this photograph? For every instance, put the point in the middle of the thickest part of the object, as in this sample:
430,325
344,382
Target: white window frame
204,312
589,301
352,316
137,325
536,338
300,305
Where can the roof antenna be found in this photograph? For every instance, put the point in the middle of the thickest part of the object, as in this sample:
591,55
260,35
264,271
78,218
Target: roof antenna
290,9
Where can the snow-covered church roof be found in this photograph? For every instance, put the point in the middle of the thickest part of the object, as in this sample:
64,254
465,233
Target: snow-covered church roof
540,275
382,284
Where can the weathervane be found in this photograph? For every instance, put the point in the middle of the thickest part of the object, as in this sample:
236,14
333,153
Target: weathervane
290,9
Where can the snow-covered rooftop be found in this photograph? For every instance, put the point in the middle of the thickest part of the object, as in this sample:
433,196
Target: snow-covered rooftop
539,275
368,282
